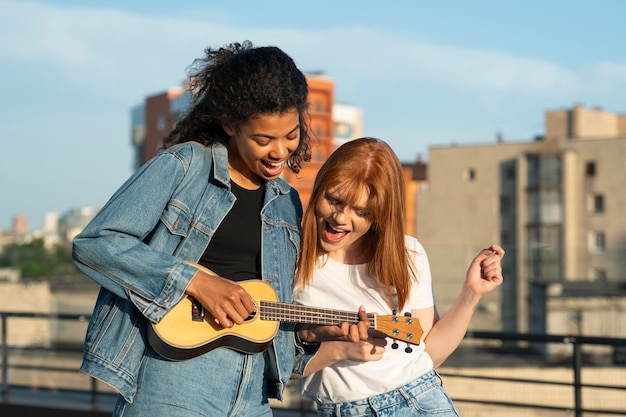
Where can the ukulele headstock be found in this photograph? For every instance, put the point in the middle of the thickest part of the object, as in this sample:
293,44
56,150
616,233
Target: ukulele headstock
403,328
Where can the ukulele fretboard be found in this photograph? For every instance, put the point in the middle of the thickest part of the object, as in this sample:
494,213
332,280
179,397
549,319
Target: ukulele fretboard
310,315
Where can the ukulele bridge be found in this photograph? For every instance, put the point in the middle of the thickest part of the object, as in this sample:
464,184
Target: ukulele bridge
197,311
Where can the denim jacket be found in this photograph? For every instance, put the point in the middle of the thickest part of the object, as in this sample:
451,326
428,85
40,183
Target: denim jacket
166,213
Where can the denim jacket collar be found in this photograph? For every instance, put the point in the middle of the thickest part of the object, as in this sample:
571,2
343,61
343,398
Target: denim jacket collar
220,163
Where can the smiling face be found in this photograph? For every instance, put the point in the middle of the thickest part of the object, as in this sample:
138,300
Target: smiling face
342,226
259,148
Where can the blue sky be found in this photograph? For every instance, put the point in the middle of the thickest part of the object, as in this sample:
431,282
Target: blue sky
425,73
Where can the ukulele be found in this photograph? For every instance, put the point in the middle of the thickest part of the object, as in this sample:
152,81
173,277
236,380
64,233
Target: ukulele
188,331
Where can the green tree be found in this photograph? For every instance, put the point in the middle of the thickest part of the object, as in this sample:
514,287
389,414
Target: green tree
35,261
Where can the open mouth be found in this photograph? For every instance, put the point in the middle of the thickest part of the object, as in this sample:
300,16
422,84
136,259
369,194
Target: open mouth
273,169
332,234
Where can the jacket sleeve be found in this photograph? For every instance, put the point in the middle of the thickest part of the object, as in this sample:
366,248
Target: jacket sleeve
111,249
303,355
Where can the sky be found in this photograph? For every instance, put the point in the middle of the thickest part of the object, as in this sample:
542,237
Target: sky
425,74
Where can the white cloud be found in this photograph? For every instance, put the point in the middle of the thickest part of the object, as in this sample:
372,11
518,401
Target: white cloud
378,55
112,52
107,51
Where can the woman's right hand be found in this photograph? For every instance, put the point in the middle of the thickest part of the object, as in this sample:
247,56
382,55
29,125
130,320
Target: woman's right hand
329,352
226,300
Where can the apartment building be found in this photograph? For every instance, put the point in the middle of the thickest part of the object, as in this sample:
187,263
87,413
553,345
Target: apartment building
554,203
152,121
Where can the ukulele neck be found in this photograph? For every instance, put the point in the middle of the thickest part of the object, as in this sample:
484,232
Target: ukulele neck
294,313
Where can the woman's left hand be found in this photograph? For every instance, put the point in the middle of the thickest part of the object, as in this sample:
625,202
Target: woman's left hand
485,271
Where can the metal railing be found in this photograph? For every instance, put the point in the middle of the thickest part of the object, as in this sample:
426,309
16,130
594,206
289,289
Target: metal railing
502,348
576,363
5,347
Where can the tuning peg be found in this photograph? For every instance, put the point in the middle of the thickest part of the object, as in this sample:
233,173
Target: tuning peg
394,317
408,349
394,345
409,319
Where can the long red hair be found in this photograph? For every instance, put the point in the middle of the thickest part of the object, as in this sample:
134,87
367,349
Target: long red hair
365,164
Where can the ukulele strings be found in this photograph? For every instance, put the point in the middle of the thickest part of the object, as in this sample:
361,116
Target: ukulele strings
311,315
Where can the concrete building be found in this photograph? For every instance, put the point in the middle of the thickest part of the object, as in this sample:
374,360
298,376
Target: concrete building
152,120
17,234
415,180
73,221
50,230
348,121
554,203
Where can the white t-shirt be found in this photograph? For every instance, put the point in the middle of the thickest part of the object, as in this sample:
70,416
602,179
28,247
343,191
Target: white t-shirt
346,287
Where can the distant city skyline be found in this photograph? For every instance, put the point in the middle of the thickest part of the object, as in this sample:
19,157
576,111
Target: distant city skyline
425,74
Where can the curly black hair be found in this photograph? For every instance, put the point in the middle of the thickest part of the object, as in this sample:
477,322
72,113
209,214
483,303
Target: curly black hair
236,82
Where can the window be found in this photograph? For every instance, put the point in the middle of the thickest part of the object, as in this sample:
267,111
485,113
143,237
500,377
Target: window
590,169
597,242
509,173
545,207
469,174
343,130
161,123
599,274
600,241
544,170
505,204
598,203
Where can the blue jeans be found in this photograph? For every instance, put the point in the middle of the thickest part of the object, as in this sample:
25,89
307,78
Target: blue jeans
424,396
220,383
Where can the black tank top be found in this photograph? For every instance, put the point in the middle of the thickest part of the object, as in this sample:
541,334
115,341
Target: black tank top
235,249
